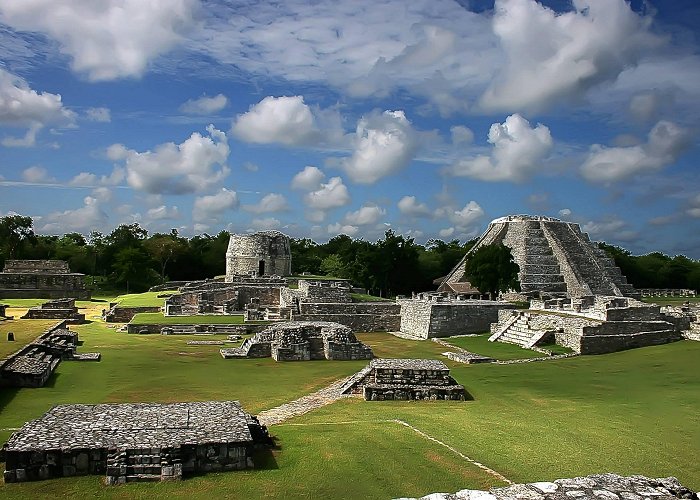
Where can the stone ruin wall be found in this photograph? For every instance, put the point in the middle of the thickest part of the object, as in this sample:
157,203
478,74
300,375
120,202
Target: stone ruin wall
118,314
599,486
324,291
246,251
359,316
37,266
437,317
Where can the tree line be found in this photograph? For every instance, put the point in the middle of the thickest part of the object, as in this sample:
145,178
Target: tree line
130,257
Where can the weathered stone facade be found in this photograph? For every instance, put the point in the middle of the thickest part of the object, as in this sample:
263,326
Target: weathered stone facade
266,253
405,379
587,325
33,364
44,279
134,442
598,486
56,309
302,341
556,259
429,315
119,314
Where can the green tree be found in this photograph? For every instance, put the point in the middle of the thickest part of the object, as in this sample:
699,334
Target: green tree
491,269
132,269
15,231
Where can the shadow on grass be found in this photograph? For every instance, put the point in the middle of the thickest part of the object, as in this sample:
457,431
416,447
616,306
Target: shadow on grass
468,396
7,394
51,382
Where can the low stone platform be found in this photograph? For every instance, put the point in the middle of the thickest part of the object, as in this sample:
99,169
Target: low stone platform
302,341
56,309
405,379
134,442
33,364
598,486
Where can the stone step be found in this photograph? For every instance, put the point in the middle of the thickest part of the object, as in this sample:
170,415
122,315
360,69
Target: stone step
143,478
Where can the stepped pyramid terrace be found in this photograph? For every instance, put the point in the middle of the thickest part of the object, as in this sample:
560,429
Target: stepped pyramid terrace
556,259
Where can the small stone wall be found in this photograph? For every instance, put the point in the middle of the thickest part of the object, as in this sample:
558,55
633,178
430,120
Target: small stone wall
45,279
56,309
152,328
428,316
119,314
359,316
598,486
405,379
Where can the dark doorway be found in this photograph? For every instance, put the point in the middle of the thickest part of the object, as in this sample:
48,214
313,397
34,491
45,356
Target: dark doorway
261,268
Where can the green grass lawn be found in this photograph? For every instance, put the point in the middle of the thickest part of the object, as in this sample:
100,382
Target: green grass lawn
479,344
142,299
25,331
670,301
633,412
200,319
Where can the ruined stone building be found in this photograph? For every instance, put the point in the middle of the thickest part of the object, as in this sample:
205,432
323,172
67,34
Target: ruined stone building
134,442
267,253
44,279
556,259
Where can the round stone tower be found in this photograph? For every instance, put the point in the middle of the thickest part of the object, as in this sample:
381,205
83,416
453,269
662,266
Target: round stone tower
265,253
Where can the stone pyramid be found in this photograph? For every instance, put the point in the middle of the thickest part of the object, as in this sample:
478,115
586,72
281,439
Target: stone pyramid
555,257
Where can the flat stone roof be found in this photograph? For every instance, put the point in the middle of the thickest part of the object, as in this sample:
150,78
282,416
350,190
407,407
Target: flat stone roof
408,364
134,425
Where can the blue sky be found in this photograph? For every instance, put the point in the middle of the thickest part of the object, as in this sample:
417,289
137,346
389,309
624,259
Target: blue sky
431,117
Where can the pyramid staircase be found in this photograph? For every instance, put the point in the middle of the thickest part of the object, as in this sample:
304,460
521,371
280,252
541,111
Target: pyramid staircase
143,465
540,271
519,332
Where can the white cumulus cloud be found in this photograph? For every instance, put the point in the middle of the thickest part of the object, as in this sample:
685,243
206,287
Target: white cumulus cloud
665,143
518,150
209,206
408,205
265,224
308,179
332,194
36,174
205,105
106,39
196,164
272,202
365,215
554,57
284,120
163,212
89,217
384,144
339,228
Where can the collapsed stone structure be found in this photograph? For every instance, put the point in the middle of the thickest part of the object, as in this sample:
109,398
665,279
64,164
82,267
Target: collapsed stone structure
556,259
45,279
302,341
134,442
602,486
33,364
266,253
56,309
587,325
271,298
405,379
430,315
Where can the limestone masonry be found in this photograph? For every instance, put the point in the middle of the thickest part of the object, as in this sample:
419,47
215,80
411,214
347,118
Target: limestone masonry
33,364
556,259
589,325
56,309
265,253
44,279
302,341
596,486
405,379
134,442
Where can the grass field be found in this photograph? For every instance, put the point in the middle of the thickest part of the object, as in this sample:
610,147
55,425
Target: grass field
200,319
633,412
479,344
143,299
